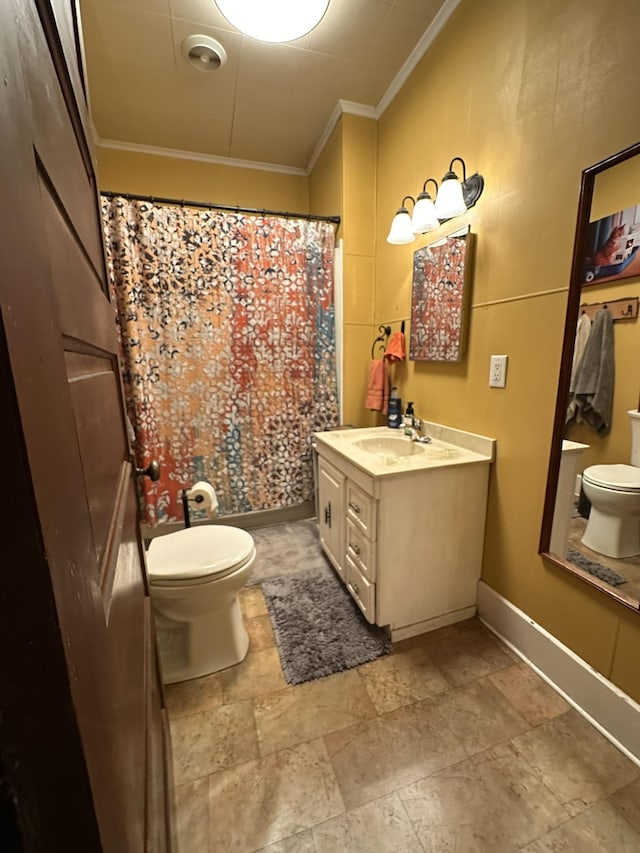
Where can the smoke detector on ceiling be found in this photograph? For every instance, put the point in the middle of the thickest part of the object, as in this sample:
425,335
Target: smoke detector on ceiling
204,53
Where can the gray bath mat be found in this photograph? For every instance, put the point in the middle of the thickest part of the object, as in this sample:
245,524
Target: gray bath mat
594,568
319,629
285,549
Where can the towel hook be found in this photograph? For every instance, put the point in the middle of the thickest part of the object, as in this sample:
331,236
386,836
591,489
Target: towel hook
385,331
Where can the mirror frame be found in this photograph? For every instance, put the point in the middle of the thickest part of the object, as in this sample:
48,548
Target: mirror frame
589,176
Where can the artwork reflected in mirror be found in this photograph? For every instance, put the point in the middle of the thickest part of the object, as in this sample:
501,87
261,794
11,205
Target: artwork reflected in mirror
612,246
591,524
440,299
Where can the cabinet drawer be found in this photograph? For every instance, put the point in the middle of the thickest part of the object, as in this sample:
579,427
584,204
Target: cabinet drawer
361,509
363,592
361,551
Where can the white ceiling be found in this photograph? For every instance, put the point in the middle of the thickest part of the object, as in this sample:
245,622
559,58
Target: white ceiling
270,103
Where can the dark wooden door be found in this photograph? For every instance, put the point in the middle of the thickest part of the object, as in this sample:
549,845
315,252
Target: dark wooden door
82,724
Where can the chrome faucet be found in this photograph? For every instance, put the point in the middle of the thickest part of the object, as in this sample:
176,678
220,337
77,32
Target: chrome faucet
415,431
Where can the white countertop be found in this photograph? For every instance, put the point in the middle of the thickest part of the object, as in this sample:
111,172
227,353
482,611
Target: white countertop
449,447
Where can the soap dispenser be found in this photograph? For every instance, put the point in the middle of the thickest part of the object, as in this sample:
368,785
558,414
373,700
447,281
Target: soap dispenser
394,410
408,419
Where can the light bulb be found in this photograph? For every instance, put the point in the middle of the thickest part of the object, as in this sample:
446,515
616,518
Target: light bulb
449,201
424,215
401,230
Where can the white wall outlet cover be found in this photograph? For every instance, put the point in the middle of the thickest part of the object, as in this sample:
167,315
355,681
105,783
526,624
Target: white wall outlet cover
498,371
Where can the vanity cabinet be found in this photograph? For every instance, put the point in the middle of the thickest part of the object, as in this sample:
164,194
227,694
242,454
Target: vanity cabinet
331,497
406,537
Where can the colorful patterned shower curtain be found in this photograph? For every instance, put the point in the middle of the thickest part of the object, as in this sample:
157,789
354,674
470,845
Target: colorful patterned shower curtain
228,349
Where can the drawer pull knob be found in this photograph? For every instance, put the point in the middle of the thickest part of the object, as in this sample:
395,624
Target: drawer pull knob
355,548
355,508
355,588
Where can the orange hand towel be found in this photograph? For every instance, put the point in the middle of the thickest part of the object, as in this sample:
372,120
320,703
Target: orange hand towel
378,388
395,348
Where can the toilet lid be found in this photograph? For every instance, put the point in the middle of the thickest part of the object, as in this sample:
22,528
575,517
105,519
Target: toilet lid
622,478
198,552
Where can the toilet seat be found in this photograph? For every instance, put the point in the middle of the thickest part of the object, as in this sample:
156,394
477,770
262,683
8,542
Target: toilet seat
618,478
198,554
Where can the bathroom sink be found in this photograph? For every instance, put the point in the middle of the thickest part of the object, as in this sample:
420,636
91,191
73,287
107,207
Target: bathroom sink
390,446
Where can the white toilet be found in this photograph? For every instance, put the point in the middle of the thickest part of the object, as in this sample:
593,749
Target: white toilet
613,528
195,576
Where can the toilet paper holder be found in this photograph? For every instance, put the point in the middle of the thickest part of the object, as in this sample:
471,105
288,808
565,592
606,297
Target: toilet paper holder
201,493
185,505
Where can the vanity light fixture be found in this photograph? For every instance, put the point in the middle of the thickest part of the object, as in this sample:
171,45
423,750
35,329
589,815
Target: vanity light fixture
273,20
401,230
424,216
455,196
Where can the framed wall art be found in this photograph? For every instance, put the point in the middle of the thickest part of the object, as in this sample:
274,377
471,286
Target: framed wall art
440,299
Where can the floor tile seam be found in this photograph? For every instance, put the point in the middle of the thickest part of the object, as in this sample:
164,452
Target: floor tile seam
223,769
554,828
411,824
427,701
620,813
477,755
316,736
293,687
427,775
349,811
173,718
538,773
449,676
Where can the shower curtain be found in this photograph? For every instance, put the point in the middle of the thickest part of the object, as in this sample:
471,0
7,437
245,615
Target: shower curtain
227,332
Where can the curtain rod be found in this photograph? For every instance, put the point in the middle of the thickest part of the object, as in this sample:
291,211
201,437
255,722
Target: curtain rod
212,206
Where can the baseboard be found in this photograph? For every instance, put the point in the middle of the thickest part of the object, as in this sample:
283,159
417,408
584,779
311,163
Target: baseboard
604,705
245,520
407,631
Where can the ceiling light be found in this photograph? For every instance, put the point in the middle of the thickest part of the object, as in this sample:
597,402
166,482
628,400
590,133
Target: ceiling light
204,53
273,20
401,230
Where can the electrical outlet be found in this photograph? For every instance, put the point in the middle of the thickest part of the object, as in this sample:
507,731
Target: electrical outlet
498,371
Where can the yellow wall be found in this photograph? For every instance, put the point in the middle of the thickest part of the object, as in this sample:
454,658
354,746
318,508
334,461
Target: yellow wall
526,92
344,181
171,177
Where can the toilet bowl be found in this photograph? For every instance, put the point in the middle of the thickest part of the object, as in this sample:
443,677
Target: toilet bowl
195,576
613,528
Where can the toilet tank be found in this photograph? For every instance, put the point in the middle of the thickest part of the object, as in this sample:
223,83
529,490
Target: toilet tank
635,437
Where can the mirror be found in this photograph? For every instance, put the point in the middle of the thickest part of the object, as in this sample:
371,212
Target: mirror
591,523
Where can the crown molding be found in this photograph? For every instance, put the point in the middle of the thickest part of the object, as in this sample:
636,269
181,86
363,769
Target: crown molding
341,108
431,34
352,108
214,159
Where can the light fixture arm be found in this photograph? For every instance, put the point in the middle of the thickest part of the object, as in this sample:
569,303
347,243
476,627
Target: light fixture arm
424,192
464,168
403,206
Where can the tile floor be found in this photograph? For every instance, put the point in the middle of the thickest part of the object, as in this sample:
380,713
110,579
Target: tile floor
449,744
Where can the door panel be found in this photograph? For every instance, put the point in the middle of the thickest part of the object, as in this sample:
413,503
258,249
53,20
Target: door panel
56,128
87,750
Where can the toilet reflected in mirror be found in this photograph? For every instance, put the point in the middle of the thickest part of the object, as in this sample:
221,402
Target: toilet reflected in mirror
591,524
613,528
